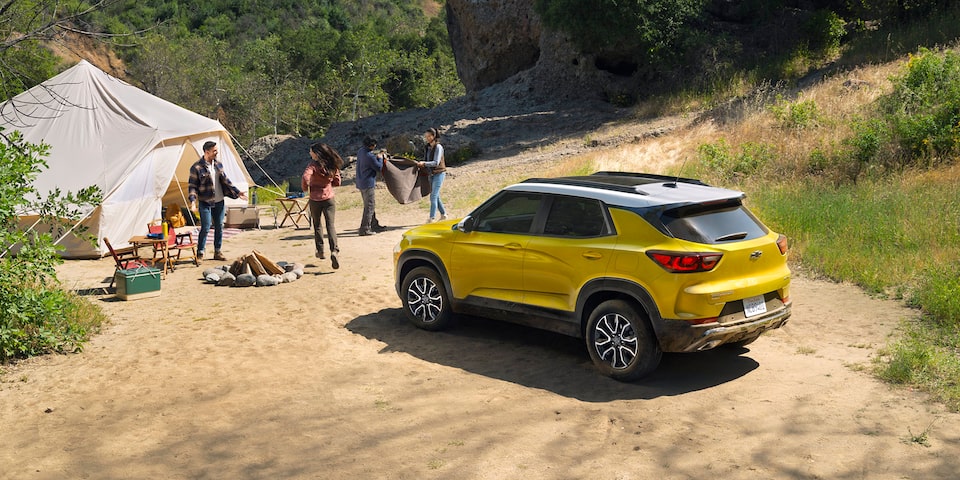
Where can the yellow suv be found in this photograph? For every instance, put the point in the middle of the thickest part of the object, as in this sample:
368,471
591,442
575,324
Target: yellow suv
635,264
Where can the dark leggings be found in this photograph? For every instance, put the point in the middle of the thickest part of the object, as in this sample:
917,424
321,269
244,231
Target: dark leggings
328,209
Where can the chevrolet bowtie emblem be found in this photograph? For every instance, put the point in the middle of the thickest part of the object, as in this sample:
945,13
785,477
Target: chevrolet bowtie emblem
755,255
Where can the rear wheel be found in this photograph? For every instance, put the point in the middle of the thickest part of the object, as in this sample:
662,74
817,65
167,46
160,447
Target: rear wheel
621,341
425,300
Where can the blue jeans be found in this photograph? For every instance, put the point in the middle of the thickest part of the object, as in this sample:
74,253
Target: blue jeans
436,181
210,213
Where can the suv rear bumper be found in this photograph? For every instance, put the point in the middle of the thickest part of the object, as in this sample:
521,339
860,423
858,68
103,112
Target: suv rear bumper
681,336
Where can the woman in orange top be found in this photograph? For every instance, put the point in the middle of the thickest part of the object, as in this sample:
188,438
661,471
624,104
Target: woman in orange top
320,176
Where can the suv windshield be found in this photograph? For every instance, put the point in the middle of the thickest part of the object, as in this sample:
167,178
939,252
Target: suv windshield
712,223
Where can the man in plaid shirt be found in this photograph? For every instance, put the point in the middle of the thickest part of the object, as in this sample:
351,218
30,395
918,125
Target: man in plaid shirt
208,186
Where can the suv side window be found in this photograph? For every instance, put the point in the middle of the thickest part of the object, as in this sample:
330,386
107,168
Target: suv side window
510,212
576,217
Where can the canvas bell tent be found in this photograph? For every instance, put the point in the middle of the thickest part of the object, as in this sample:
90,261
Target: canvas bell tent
136,147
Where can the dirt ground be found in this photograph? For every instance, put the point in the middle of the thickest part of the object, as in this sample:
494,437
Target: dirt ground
324,378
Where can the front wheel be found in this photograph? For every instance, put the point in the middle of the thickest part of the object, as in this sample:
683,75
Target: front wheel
621,341
425,300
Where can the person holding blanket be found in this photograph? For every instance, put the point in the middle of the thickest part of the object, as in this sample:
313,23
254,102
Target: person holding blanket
369,165
436,167
320,176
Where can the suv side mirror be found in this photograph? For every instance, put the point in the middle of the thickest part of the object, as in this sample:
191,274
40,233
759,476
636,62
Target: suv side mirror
467,225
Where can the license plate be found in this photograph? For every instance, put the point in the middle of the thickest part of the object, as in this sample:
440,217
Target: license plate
753,306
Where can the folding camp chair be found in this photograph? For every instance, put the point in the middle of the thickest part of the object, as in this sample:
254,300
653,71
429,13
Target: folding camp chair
161,251
185,246
125,258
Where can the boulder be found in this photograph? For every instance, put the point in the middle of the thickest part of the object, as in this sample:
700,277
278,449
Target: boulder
492,41
245,280
227,280
213,271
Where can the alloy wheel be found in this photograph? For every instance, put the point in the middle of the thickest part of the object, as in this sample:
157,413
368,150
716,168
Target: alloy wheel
424,300
615,341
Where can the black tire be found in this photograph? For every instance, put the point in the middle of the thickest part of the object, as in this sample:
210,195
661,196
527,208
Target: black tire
425,300
621,341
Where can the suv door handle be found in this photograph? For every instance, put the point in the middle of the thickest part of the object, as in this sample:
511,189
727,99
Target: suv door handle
513,246
592,255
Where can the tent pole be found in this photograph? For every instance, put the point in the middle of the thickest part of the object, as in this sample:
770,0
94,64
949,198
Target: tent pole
75,225
30,228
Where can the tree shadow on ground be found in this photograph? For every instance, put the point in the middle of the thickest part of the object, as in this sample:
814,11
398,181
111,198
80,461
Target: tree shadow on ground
545,360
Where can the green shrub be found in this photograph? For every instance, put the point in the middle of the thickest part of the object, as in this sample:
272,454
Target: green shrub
823,32
724,162
36,316
921,359
938,294
924,108
819,162
797,115
908,359
461,155
42,320
862,151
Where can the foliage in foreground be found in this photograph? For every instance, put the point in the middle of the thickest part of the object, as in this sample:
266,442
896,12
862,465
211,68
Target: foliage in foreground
36,315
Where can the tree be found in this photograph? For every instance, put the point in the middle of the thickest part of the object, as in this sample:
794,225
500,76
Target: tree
364,69
650,27
24,26
36,315
271,67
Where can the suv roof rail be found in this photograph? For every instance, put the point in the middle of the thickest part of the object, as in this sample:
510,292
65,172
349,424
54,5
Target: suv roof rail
652,176
626,182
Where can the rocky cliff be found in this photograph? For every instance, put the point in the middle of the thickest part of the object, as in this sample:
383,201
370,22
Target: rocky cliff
504,41
492,40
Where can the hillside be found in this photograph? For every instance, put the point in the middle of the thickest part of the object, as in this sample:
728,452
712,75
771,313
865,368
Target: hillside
325,378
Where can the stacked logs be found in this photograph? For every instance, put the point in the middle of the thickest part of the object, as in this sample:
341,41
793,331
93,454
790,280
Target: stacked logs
253,269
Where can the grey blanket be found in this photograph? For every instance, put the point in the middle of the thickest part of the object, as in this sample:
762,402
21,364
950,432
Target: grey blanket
404,181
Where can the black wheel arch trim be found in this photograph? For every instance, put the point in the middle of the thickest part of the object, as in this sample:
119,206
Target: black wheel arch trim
421,257
622,287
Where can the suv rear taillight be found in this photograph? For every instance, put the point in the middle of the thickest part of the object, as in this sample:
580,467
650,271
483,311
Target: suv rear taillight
685,262
782,244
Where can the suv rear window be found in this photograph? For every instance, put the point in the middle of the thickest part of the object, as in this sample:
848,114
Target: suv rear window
713,223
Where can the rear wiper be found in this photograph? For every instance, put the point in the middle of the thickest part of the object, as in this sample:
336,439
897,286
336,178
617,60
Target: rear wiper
731,236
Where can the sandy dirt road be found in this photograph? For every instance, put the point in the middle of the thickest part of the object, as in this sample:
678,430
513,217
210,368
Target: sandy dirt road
323,378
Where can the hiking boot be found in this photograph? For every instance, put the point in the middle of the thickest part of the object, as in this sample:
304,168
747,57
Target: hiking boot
320,255
366,233
333,261
219,256
443,216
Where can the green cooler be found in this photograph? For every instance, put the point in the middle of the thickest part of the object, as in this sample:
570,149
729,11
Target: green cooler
141,282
